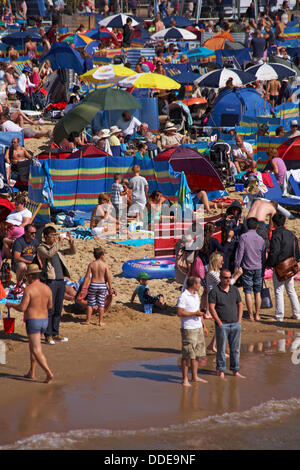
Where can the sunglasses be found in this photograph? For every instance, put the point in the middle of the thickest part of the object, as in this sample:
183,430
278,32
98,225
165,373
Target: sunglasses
32,233
226,277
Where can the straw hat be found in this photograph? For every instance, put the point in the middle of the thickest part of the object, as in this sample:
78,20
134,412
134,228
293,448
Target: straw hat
104,134
169,125
33,269
114,130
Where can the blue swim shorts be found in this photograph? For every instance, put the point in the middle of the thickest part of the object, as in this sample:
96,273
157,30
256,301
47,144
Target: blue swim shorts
36,325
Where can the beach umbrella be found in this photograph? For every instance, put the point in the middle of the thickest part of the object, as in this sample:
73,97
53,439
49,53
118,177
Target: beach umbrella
186,78
271,71
149,80
99,33
92,47
119,20
107,73
79,40
61,55
74,121
181,21
218,78
19,38
174,33
83,113
110,99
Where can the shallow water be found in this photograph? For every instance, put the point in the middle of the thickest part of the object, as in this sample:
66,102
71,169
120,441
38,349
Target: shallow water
142,405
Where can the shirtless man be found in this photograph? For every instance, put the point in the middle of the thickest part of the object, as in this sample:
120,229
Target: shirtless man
98,282
242,154
14,154
36,302
273,89
261,209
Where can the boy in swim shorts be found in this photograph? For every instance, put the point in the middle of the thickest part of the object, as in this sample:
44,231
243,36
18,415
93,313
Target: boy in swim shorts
143,292
97,282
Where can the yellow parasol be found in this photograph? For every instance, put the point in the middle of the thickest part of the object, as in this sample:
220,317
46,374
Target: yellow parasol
107,73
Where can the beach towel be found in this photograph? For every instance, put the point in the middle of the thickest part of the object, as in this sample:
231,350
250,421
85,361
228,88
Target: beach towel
267,180
136,242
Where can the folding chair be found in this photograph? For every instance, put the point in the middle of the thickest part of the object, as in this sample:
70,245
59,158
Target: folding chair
34,208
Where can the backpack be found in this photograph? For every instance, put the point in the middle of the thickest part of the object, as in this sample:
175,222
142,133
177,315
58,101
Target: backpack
181,263
5,273
198,268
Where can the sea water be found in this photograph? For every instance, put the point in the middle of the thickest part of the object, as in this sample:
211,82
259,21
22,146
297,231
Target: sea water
142,405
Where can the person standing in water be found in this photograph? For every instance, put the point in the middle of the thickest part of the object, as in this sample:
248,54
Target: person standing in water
36,302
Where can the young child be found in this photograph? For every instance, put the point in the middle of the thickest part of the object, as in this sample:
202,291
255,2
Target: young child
117,191
98,282
143,292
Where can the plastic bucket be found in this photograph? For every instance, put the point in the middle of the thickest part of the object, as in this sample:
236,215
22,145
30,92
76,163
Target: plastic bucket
9,325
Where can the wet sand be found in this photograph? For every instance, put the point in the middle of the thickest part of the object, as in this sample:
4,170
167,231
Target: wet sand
92,353
141,404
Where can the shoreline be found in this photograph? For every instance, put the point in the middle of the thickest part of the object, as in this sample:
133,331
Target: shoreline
100,367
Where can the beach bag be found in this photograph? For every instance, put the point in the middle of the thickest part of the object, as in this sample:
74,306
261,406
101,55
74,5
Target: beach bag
181,263
287,268
266,301
198,269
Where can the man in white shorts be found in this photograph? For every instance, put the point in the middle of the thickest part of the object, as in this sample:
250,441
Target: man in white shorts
193,330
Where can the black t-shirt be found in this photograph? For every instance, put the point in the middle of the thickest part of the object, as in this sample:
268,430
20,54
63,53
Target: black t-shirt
225,303
258,45
126,34
27,249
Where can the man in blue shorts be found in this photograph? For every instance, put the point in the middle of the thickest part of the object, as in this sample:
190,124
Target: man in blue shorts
250,256
36,303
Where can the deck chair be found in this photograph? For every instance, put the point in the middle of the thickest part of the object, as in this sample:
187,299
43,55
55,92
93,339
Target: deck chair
294,185
275,194
34,208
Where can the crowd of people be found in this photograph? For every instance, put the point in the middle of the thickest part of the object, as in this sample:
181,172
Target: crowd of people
248,245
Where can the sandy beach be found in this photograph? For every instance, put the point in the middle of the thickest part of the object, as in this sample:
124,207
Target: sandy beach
128,335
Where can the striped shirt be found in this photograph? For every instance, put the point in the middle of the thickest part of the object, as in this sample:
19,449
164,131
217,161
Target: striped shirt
116,191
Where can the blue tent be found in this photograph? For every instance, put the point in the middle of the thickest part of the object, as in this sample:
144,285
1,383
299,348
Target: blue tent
230,106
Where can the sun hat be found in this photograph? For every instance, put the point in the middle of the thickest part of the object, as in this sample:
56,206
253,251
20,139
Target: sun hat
114,130
33,269
169,125
104,134
143,275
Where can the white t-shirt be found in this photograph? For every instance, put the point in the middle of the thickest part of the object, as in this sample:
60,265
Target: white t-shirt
129,127
239,154
10,126
138,185
190,303
16,218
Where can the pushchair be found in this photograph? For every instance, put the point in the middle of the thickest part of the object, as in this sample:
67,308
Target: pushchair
219,157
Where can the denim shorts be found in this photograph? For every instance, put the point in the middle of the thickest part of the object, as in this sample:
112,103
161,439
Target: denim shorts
36,325
252,280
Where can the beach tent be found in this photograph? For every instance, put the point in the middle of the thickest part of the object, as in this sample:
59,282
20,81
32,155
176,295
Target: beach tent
218,41
199,172
230,106
289,151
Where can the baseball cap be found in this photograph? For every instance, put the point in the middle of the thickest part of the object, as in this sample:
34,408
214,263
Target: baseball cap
294,122
143,275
